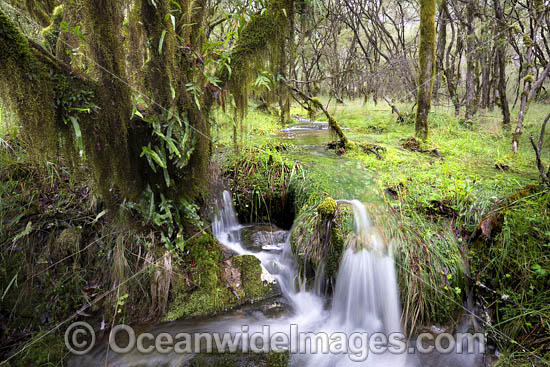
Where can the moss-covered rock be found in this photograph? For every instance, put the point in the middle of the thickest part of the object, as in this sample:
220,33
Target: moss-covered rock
327,208
317,240
251,277
215,285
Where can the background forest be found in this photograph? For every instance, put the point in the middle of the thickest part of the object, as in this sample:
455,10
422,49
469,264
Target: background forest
122,121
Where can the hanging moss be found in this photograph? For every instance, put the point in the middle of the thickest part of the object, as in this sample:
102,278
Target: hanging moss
262,38
51,32
114,163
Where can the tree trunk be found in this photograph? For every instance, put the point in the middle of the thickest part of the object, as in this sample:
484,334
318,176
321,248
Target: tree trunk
426,66
470,61
440,51
501,61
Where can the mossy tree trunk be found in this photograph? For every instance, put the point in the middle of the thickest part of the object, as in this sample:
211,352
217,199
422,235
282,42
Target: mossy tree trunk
332,123
440,49
51,97
426,55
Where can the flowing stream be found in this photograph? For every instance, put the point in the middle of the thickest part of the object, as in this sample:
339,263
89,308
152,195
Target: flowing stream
365,300
365,297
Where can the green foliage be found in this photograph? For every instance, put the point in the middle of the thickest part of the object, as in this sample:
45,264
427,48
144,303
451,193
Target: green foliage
262,183
438,202
172,143
515,265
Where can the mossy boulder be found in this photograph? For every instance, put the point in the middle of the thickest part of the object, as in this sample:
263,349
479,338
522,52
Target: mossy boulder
213,285
318,237
251,277
327,208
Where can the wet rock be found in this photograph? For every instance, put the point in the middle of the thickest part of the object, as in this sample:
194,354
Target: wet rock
265,238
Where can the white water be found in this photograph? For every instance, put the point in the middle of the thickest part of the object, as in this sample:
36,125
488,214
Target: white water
365,297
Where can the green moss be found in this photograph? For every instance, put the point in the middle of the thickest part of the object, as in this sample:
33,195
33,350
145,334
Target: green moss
278,359
261,40
51,32
211,294
23,75
529,78
327,208
200,302
338,232
251,277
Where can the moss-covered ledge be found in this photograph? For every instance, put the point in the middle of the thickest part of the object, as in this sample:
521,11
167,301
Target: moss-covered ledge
215,284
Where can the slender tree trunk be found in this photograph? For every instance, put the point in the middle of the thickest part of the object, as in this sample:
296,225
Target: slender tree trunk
470,61
426,66
501,62
441,43
486,79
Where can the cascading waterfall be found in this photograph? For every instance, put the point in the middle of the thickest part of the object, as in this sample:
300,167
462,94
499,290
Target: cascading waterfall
226,226
366,280
365,298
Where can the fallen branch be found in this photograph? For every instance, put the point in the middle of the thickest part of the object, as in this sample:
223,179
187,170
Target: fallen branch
374,149
331,121
538,152
394,109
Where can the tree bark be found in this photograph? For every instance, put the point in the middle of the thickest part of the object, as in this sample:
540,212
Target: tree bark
470,61
440,50
501,63
426,66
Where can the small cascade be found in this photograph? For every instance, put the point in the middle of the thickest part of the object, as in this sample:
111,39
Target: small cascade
226,226
365,297
366,294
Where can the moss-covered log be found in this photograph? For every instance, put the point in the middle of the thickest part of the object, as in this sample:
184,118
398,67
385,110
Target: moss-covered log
332,123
